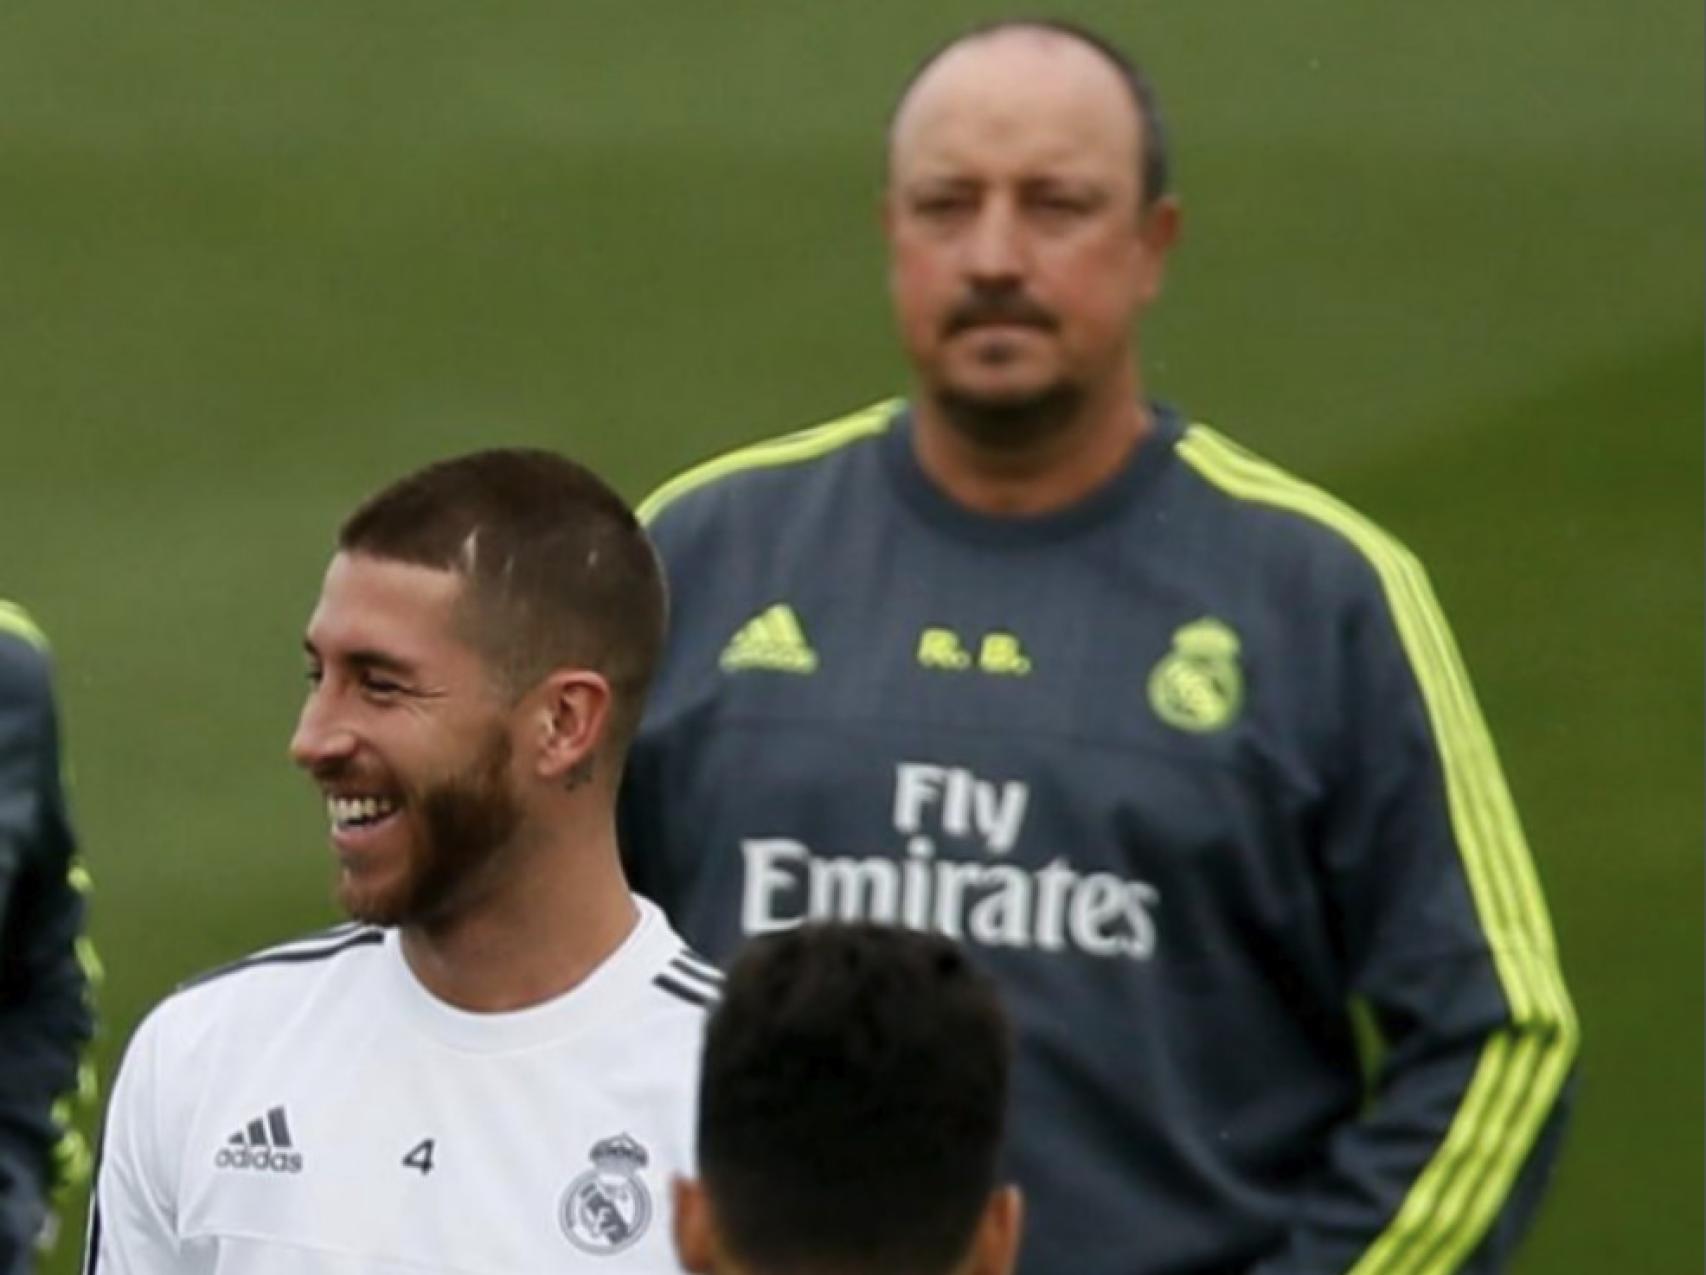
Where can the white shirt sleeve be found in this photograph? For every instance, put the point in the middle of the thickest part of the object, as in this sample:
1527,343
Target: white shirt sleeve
133,1210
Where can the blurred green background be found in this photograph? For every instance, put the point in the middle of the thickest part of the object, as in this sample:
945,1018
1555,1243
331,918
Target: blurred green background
257,259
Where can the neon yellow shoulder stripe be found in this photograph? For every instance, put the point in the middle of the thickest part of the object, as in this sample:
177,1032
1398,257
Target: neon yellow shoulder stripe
1516,1081
789,449
16,621
73,1158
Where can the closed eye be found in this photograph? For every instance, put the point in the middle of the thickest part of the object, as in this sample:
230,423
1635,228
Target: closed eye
941,205
1059,205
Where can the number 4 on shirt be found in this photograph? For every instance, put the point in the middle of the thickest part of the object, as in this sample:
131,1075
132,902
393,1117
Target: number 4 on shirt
420,1157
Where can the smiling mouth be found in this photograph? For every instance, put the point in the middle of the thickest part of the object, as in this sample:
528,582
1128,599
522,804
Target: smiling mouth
359,812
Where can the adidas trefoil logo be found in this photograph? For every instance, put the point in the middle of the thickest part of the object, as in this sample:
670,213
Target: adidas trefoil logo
264,1143
772,640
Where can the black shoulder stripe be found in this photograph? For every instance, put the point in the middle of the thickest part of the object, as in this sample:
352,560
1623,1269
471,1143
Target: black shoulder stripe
692,995
316,940
289,956
693,974
326,942
688,957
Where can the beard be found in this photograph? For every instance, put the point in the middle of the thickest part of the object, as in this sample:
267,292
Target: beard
465,825
1009,423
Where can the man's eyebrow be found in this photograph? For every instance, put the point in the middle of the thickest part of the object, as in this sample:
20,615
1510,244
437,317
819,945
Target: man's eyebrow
1088,181
365,659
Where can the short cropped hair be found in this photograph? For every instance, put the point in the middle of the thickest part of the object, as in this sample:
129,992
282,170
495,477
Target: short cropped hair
852,1102
1154,170
557,569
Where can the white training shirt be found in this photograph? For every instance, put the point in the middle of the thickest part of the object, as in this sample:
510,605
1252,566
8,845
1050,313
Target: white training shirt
313,1109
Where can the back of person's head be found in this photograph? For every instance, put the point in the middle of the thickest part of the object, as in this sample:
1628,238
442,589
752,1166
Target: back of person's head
851,1112
556,569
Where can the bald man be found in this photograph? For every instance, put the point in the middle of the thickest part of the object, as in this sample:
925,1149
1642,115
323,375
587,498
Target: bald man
1178,746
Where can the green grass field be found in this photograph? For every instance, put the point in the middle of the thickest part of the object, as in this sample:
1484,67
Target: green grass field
259,258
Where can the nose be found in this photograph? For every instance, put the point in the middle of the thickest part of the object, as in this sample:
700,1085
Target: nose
320,742
995,248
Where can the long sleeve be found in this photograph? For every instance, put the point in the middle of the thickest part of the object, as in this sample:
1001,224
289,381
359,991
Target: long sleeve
45,1020
1447,944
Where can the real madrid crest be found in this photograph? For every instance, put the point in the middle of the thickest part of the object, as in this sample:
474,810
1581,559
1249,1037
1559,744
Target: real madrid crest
1198,686
607,1208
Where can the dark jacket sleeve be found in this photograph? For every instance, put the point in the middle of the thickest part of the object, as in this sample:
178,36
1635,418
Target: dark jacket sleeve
637,832
651,859
1446,942
44,1015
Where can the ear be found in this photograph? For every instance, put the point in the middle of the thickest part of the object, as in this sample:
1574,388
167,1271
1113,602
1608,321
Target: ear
570,713
1158,231
995,1244
694,1245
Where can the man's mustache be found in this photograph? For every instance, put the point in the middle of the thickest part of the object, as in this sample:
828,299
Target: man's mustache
983,309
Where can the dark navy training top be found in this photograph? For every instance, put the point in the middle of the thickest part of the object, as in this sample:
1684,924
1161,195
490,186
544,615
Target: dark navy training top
1192,767
46,967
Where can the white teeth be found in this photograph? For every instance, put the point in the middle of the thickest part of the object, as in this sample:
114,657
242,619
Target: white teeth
344,811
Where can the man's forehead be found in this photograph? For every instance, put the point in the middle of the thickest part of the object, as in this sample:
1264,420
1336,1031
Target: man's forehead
363,596
1016,95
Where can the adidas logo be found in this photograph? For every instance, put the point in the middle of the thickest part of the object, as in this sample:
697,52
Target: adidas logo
264,1143
773,640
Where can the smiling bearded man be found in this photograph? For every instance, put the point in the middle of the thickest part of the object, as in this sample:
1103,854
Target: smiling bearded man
419,834
495,1067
